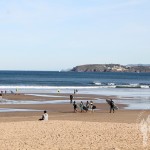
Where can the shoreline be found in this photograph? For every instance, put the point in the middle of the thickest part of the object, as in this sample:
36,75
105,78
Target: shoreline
66,130
65,110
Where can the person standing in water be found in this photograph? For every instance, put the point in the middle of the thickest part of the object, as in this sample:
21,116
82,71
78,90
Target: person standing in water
71,98
16,91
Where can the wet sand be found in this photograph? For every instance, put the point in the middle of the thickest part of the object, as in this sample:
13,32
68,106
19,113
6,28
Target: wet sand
67,130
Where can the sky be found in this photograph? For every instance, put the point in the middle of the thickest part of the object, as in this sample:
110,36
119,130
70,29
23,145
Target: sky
61,34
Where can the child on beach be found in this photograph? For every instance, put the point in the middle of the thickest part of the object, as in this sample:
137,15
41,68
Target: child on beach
44,116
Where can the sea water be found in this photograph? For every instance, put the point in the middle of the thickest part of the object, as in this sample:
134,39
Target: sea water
123,85
47,79
105,83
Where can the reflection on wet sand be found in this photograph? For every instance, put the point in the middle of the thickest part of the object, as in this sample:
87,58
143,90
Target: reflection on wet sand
131,103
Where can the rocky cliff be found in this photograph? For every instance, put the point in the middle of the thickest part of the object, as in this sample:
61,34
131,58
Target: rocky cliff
111,68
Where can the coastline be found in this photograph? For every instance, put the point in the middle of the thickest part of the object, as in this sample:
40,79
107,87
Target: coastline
35,104
67,130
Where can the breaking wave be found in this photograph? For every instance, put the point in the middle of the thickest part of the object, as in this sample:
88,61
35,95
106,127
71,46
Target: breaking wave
121,85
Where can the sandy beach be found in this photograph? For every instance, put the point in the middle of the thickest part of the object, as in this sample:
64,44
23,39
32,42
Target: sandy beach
69,135
67,130
74,75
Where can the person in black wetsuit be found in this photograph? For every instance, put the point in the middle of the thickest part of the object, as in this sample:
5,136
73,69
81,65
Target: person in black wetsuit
75,106
112,106
71,98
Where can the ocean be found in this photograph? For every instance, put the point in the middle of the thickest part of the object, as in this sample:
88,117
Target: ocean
107,83
48,79
126,86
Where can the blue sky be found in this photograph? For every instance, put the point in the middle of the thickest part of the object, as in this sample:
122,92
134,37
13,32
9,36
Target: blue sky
61,34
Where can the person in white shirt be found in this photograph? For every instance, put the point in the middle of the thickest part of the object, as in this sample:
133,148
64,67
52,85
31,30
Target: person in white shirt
44,116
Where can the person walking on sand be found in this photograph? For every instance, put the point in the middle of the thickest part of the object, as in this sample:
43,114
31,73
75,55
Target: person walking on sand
75,106
44,116
71,98
112,106
91,105
87,105
81,106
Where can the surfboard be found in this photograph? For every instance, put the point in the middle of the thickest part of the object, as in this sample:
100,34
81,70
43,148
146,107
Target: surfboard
85,108
94,107
115,106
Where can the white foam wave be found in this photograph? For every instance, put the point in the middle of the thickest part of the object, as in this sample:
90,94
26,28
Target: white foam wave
145,86
136,84
47,87
111,85
97,83
43,95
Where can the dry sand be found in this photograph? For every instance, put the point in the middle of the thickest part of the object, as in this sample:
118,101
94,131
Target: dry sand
66,130
70,135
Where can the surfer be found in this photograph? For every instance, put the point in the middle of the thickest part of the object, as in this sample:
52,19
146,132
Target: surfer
112,106
81,106
87,105
71,98
75,106
92,107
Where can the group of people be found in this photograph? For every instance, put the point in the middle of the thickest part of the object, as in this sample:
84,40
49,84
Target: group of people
90,105
84,108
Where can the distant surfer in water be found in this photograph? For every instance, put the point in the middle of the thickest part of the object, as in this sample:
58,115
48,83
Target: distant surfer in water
112,106
71,98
